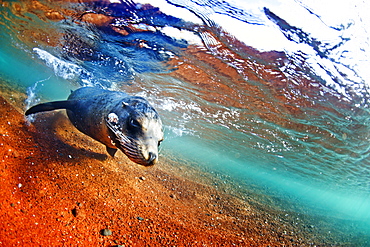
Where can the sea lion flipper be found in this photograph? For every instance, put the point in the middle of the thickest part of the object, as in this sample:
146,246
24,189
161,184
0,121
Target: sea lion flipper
49,106
111,151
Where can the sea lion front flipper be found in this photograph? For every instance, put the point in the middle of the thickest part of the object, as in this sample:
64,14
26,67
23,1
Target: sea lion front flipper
49,106
111,151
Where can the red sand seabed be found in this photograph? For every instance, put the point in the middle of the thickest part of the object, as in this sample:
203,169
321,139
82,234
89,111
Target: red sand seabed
59,188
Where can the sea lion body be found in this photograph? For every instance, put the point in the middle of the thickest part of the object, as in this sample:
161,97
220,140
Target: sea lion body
116,119
91,110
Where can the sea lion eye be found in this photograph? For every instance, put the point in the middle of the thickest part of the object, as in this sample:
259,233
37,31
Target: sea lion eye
134,123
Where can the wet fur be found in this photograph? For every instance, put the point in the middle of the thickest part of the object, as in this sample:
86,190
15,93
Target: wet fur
89,108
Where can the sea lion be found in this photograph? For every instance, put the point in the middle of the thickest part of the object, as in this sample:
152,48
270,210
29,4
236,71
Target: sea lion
116,119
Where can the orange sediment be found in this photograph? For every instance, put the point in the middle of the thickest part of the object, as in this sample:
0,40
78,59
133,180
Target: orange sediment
58,187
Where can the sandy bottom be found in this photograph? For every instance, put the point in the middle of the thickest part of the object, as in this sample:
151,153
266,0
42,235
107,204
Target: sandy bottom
58,187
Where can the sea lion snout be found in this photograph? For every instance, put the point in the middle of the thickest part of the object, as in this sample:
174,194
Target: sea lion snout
149,152
150,158
151,137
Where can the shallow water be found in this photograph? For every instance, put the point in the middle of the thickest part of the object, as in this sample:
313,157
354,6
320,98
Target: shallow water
287,119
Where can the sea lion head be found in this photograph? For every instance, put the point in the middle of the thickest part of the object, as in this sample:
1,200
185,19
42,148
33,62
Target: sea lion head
137,130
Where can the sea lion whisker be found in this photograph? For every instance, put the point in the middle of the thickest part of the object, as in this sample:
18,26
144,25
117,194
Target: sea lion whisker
124,138
134,155
118,133
133,145
132,150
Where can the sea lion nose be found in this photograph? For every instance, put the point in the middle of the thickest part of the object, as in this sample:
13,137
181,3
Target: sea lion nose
152,158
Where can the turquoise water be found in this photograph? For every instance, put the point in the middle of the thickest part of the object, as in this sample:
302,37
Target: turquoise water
292,125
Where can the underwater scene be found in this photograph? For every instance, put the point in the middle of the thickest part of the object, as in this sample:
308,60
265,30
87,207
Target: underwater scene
265,111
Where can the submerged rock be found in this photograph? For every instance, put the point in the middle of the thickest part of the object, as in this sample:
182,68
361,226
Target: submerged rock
106,232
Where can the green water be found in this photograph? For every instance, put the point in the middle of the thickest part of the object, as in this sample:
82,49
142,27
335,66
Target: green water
315,198
24,71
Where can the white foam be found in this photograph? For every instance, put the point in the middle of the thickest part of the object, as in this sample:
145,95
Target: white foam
61,68
176,33
172,10
32,98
